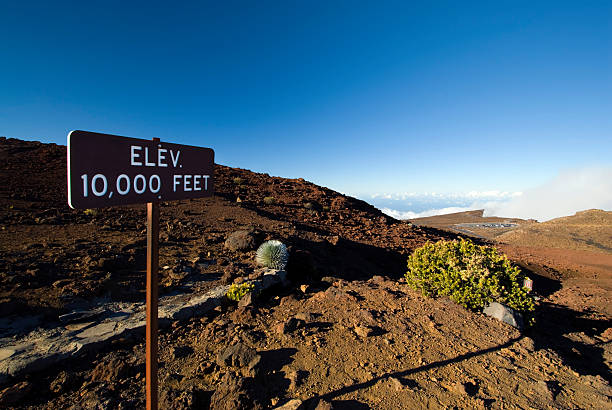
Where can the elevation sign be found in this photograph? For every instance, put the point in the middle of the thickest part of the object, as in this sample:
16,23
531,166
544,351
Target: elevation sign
106,170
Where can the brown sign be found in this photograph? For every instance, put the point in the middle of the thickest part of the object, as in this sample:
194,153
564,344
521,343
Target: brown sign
106,170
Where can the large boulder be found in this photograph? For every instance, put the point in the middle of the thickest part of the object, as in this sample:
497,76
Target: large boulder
241,357
240,241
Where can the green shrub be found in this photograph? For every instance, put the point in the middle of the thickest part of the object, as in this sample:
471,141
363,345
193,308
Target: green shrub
272,254
269,200
238,181
91,212
469,274
238,291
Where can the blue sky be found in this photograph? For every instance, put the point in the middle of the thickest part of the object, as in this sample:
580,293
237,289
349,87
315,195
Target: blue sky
362,97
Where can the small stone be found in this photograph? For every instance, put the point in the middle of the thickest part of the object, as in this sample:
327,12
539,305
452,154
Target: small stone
459,388
78,326
246,300
293,377
324,405
62,382
396,384
229,273
289,326
305,288
527,343
366,316
290,405
377,279
305,317
252,369
363,331
606,335
465,388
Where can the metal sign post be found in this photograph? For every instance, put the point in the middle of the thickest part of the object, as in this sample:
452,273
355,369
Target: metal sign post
151,300
106,170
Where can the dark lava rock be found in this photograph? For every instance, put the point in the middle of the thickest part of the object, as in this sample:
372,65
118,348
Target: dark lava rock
240,241
246,300
289,325
63,382
244,314
233,394
110,371
238,355
183,399
230,272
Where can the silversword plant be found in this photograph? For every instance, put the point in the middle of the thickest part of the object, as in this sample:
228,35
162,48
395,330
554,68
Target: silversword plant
272,254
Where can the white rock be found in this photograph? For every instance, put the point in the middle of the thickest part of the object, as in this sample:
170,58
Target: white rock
505,314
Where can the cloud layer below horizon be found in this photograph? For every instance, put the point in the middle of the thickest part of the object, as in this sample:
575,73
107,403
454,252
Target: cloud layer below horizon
571,191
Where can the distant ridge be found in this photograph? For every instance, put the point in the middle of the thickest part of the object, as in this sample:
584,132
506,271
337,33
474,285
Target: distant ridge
476,216
589,230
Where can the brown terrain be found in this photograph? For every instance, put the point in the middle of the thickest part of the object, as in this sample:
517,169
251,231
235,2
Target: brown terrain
348,333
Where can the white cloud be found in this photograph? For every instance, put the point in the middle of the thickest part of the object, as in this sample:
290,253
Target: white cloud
412,215
492,194
571,191
495,194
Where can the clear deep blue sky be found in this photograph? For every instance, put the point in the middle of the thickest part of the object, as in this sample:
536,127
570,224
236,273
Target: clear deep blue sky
362,97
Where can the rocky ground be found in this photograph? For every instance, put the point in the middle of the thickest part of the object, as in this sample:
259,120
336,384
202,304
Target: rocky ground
347,332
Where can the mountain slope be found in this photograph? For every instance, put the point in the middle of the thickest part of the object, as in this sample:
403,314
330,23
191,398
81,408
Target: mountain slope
589,230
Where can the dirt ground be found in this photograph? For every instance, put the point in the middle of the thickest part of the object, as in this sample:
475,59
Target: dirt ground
348,333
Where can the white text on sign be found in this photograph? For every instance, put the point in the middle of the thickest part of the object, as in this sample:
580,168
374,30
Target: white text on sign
140,156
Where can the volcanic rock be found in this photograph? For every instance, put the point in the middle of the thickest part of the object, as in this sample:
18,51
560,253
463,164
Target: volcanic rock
232,394
505,314
239,355
240,241
290,405
62,382
110,371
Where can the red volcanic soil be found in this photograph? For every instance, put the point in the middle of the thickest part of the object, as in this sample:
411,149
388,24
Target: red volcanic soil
347,334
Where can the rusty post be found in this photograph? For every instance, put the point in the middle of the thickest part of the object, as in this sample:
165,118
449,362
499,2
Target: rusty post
151,297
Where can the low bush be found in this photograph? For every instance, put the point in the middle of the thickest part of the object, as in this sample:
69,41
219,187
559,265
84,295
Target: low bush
238,291
469,274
